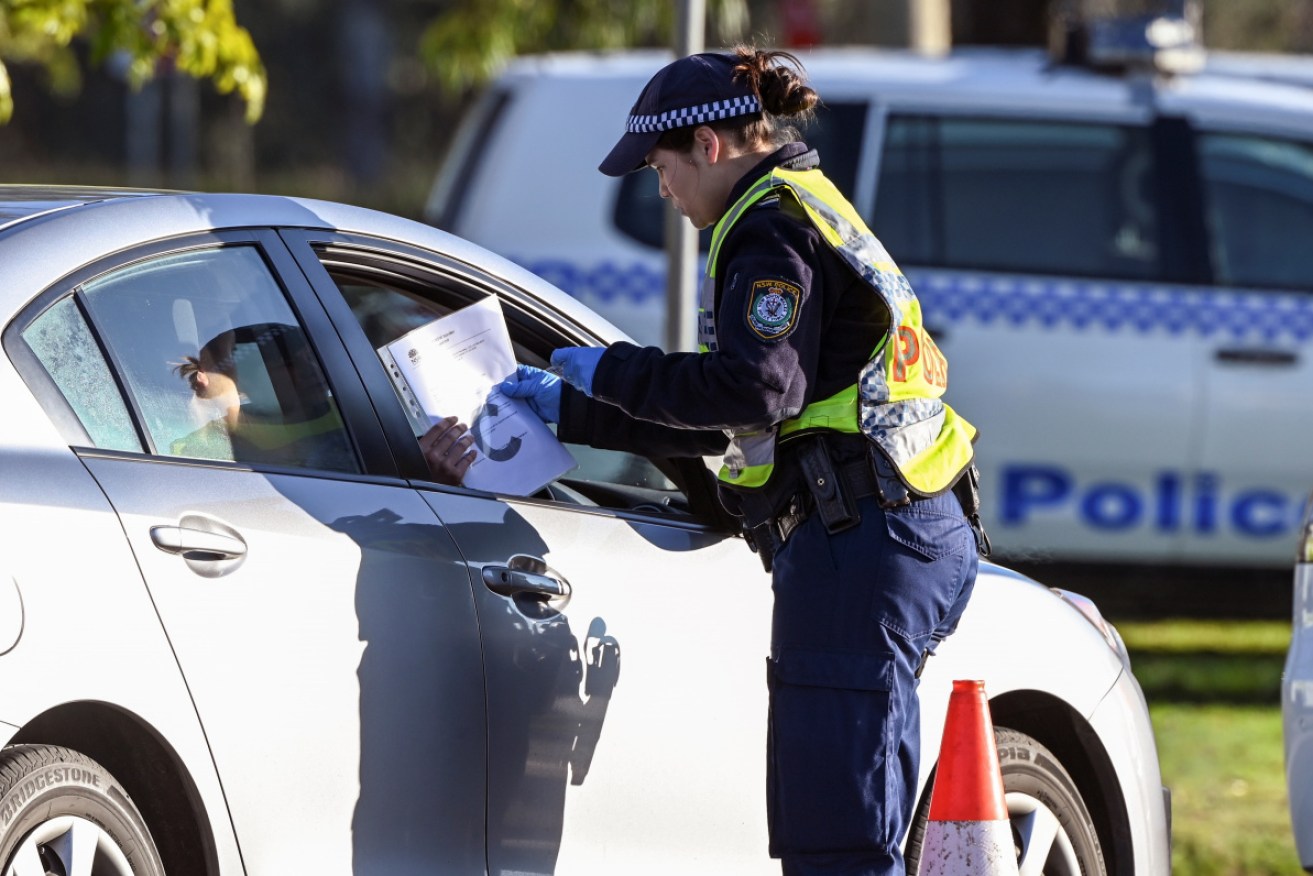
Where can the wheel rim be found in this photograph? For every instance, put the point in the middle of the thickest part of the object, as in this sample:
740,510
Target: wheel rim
1046,849
68,846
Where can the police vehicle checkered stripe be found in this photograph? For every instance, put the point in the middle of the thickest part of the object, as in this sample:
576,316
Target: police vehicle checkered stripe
1116,307
694,115
1022,301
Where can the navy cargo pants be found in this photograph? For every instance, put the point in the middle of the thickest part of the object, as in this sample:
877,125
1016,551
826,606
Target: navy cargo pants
854,613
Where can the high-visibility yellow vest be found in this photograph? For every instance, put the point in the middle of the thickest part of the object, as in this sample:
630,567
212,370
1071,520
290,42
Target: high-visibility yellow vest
896,399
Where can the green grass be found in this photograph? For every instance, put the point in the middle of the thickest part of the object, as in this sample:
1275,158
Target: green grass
1209,661
1213,689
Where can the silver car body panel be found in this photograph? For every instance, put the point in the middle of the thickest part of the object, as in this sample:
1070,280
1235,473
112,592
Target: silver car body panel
335,663
1121,722
1297,698
74,582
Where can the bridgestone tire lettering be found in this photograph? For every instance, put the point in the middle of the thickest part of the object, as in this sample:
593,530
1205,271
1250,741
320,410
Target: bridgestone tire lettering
41,784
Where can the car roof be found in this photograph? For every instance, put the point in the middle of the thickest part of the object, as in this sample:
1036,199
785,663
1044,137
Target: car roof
992,78
87,209
20,202
48,231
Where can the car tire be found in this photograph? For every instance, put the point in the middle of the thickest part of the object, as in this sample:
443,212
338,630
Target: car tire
1051,825
61,812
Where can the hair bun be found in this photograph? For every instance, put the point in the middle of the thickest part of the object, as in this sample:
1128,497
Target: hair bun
785,95
778,79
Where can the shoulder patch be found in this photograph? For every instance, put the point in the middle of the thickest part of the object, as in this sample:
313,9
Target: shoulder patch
773,308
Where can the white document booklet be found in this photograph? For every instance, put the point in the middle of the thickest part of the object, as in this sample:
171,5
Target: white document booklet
454,365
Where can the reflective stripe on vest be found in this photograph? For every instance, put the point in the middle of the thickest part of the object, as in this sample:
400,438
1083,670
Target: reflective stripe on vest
896,400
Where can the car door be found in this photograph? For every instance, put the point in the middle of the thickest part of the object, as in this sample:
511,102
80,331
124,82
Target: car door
322,617
1041,255
624,638
1257,358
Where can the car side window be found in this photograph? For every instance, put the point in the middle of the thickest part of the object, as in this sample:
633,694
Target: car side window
1259,195
1023,196
211,355
65,346
387,311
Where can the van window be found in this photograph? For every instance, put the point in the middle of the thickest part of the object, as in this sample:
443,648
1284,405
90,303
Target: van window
1259,193
836,134
1020,196
465,160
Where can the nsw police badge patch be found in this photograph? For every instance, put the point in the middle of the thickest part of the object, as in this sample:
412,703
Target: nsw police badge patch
773,308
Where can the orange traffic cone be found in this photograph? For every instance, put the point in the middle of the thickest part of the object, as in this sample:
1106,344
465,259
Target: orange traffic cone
968,832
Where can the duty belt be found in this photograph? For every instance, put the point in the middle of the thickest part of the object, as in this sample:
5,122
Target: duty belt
856,481
830,491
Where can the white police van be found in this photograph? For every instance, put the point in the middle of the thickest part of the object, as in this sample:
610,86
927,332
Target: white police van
1117,264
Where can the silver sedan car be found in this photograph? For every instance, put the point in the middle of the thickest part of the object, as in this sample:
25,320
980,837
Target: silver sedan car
243,631
1297,697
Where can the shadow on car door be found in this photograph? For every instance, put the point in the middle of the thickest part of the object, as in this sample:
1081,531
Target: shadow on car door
626,723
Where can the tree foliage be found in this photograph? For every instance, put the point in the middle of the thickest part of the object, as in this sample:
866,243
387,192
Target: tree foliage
200,38
469,42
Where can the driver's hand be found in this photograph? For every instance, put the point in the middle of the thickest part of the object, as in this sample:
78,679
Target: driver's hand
448,450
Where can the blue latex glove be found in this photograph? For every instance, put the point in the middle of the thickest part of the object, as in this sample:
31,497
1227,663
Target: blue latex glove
541,389
577,365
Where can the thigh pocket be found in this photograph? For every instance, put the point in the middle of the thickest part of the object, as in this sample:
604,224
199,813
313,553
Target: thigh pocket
829,751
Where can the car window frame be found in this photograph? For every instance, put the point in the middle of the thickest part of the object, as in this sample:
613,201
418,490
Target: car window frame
363,431
1202,129
1176,183
523,311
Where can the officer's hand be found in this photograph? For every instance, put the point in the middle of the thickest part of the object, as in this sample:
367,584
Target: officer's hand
539,388
577,366
447,449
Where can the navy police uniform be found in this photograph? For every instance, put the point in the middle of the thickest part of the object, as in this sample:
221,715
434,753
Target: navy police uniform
856,611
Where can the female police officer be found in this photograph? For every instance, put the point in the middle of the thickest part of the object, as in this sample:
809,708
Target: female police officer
817,380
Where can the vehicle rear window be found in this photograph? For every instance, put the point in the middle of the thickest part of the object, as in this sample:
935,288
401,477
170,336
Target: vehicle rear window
67,349
1259,196
1019,196
836,134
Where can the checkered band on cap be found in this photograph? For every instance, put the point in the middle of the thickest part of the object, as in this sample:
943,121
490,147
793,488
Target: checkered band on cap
694,115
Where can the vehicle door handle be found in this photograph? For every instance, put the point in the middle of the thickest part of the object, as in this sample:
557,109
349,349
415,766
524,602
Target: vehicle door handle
1255,356
197,544
527,576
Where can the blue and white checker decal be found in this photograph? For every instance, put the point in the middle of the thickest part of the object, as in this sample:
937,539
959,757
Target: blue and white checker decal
604,281
1115,307
1018,302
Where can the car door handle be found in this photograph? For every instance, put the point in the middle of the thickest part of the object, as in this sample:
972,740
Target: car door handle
527,576
197,544
1256,356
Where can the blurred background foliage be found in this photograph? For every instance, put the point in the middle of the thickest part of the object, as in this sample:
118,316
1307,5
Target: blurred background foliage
198,38
356,99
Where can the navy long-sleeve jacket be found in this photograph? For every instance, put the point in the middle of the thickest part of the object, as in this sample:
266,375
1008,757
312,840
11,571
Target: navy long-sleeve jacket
766,367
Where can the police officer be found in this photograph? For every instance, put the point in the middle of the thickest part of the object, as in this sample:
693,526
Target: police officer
818,382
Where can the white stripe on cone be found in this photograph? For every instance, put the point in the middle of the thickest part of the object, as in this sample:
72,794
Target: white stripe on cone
968,848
